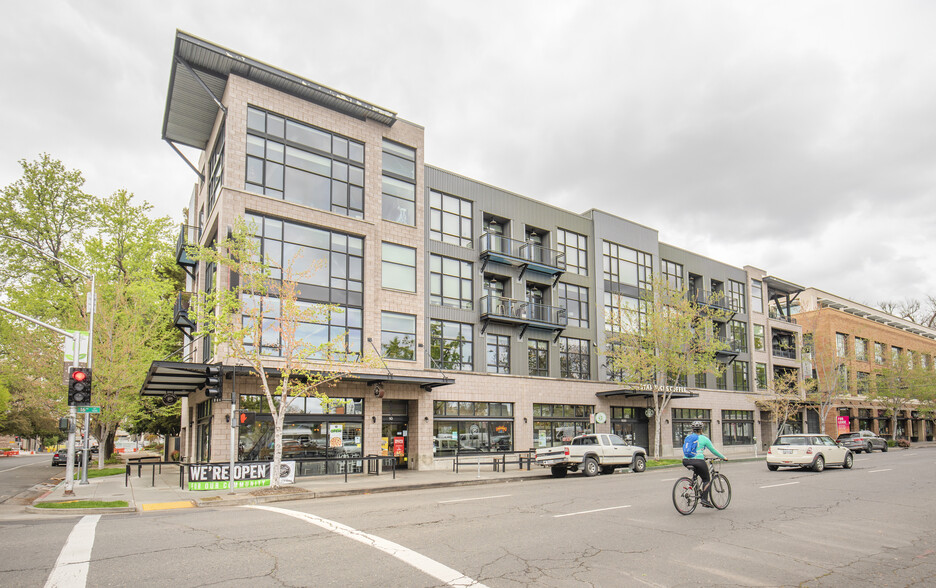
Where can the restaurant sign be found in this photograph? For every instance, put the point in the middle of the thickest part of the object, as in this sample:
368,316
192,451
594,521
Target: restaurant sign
246,475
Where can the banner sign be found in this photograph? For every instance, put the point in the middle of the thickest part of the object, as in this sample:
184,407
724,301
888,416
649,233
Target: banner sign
844,425
398,450
334,435
246,475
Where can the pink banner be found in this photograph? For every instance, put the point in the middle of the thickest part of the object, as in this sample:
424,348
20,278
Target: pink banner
843,424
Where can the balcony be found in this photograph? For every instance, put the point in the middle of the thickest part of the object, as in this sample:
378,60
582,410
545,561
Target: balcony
520,312
706,300
774,315
526,256
180,314
730,351
188,235
784,352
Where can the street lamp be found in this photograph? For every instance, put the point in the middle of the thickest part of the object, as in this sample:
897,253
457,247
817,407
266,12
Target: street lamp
70,464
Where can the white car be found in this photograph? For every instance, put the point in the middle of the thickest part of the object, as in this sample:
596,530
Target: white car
808,451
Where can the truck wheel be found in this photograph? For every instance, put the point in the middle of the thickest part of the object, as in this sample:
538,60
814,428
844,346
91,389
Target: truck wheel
639,464
607,470
590,467
559,471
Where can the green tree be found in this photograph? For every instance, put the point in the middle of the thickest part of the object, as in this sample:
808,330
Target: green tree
785,397
259,317
658,342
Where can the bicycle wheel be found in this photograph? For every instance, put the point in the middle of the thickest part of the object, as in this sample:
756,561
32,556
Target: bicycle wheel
684,496
720,492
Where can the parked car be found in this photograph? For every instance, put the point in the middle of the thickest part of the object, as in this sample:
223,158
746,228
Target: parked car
808,451
592,454
60,457
863,441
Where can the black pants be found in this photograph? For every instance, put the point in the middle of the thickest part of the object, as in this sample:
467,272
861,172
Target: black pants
701,468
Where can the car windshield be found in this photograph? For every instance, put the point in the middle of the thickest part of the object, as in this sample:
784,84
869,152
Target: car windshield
848,435
792,441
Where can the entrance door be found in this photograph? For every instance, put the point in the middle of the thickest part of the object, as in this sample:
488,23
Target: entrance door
634,432
396,439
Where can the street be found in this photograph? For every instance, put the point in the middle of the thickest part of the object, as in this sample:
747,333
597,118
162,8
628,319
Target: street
873,525
19,477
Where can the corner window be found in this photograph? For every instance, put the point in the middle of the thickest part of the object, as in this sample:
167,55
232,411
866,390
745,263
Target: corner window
398,267
399,183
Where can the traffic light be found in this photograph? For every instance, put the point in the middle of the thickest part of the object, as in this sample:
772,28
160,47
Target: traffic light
247,419
79,386
213,382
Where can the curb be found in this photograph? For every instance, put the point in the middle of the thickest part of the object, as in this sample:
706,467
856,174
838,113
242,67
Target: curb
80,511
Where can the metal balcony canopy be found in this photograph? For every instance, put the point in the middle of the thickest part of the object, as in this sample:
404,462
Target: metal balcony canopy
782,286
642,393
191,111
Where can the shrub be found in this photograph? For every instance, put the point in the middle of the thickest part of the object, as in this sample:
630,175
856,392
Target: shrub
174,456
903,443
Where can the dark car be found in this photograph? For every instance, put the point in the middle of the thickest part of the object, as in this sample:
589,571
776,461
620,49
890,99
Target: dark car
61,457
863,441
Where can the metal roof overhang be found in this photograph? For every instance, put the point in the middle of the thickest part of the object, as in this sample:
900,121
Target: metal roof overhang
183,379
174,377
191,111
782,286
631,393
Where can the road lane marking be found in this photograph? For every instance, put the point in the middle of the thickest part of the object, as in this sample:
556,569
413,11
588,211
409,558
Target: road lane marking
71,567
477,498
784,484
25,465
875,471
669,480
420,562
572,514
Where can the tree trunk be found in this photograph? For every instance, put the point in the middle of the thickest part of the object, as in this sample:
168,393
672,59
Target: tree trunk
277,446
102,446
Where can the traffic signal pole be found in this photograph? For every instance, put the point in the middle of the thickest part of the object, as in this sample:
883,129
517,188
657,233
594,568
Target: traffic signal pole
87,417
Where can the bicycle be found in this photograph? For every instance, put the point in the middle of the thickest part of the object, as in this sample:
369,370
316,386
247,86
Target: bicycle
687,492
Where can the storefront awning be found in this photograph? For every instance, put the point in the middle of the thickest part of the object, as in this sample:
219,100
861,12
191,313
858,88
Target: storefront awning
678,392
182,379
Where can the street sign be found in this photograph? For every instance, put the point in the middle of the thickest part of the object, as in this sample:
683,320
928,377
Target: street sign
83,409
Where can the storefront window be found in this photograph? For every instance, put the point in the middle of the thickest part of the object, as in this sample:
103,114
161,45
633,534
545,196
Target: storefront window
683,419
471,427
557,424
738,427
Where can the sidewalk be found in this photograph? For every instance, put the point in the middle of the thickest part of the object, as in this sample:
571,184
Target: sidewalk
142,495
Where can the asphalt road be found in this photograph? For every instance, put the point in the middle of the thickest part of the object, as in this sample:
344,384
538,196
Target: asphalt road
19,477
873,525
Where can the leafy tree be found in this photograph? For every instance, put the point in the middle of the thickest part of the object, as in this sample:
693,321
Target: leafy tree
661,340
258,322
784,399
897,387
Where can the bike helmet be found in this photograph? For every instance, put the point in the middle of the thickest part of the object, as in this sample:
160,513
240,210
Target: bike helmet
697,425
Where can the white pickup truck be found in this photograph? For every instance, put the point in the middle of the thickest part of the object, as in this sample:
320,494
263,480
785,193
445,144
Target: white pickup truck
593,453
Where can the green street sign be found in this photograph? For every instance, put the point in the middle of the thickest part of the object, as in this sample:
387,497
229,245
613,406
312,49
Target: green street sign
84,409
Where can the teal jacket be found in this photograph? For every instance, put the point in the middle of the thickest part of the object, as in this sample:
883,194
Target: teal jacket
705,443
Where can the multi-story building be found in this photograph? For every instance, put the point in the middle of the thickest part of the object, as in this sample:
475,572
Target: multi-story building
857,345
487,307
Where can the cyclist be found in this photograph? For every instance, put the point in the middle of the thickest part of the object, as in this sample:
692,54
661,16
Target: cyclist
693,447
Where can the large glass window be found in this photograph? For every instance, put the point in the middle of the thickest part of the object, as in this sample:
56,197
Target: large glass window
878,353
761,374
498,354
451,345
757,296
740,373
450,219
558,424
450,282
398,267
623,265
574,360
861,349
575,300
397,335
299,163
672,274
760,339
841,344
328,267
575,247
471,427
736,297
737,427
539,357
619,311
399,183
216,169
682,423
738,330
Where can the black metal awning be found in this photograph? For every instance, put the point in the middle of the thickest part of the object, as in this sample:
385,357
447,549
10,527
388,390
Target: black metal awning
182,379
641,393
173,377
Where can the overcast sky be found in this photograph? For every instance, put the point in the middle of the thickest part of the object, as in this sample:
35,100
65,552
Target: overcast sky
798,137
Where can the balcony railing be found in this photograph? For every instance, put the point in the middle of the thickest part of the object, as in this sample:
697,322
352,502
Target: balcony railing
784,352
188,235
779,317
180,314
708,300
508,310
520,253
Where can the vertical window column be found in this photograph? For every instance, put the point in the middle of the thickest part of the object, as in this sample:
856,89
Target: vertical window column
399,183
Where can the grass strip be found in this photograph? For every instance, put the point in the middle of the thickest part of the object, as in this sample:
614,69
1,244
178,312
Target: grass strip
655,463
96,473
83,504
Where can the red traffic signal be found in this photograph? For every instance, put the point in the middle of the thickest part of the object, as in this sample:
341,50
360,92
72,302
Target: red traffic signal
79,386
247,418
